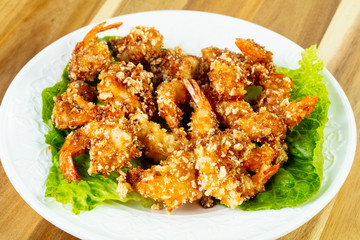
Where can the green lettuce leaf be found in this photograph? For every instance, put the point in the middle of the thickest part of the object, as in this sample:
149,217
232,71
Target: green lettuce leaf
92,190
300,177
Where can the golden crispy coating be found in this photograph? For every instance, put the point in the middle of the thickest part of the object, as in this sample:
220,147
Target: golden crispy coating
219,162
175,63
141,45
90,57
258,61
204,163
172,182
275,98
74,107
259,126
210,54
127,87
228,77
110,139
169,95
253,51
203,120
262,126
270,153
296,111
158,143
276,93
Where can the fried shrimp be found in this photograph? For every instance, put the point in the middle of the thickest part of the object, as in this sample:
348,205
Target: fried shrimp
253,51
270,153
141,45
259,126
219,162
110,139
158,143
228,77
173,182
128,87
169,95
233,145
258,61
275,98
90,57
74,107
203,120
218,155
175,64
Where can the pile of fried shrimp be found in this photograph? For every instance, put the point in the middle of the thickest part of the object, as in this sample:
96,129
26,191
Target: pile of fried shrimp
227,151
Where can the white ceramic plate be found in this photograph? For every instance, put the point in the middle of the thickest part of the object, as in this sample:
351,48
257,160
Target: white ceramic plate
26,160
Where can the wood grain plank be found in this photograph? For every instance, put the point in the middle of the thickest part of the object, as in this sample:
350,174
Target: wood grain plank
241,9
313,228
244,9
301,21
128,6
26,28
340,50
341,44
106,11
14,212
29,26
46,231
344,220
344,23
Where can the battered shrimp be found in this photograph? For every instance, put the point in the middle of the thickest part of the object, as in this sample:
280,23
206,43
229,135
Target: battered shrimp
169,95
203,121
258,61
90,57
219,164
259,126
206,162
269,154
275,98
158,143
127,87
110,139
228,77
175,63
253,51
172,67
296,111
221,160
209,55
74,107
141,45
173,181
220,157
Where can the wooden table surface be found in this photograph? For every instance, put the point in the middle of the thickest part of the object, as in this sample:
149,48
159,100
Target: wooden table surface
27,26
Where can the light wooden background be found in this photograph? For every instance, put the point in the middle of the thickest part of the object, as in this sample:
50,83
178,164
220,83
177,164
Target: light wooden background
27,26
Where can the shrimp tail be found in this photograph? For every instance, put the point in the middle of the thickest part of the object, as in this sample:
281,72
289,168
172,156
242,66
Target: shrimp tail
75,145
68,168
263,176
196,94
100,28
204,119
253,51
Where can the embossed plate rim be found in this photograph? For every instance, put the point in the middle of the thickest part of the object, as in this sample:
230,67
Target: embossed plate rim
119,219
